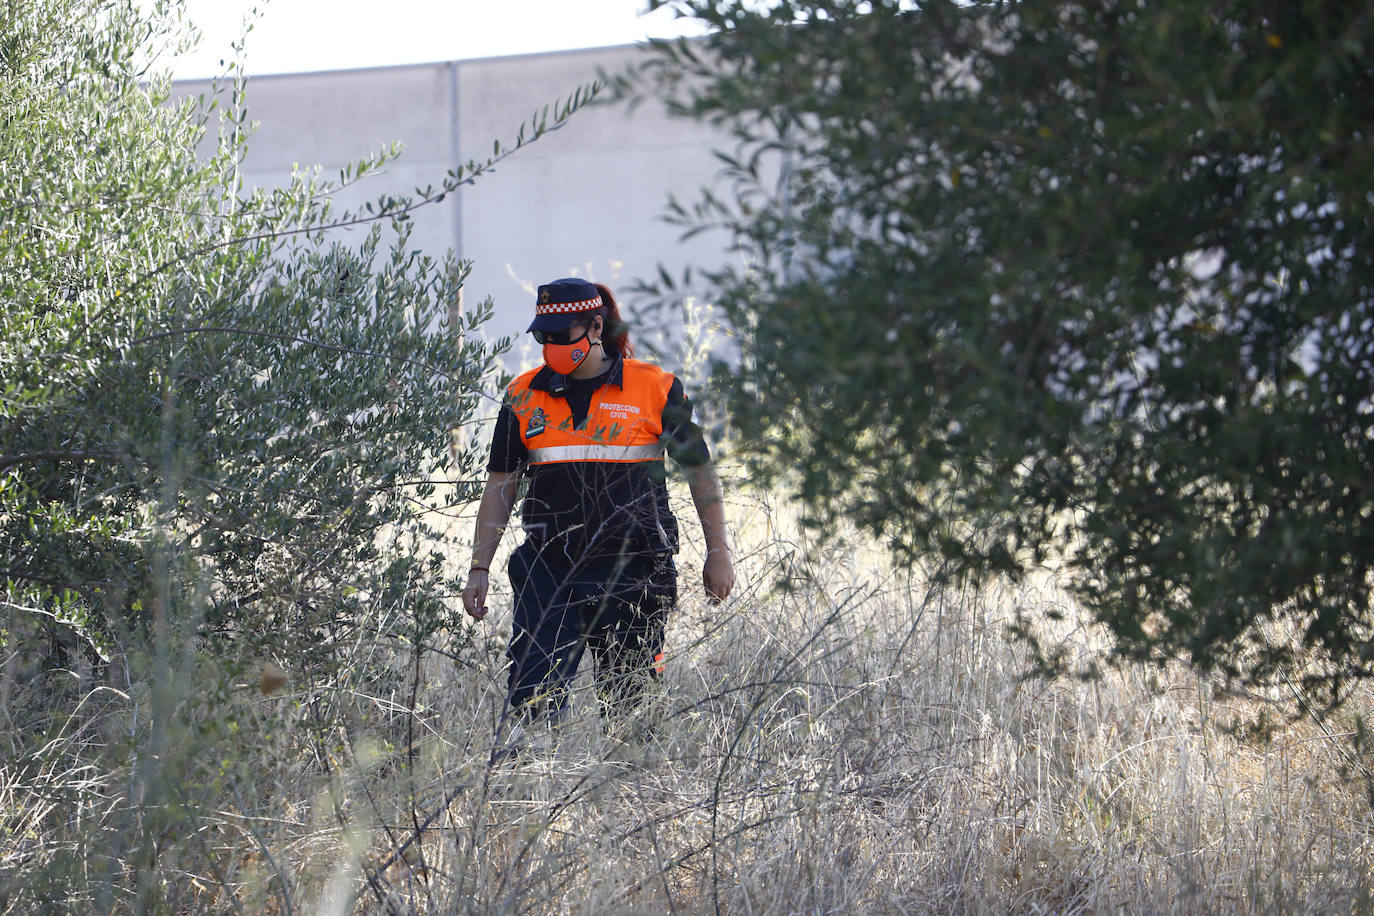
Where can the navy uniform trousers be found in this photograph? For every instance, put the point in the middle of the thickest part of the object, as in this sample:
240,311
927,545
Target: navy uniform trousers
617,608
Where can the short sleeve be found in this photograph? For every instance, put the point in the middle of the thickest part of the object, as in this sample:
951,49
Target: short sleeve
508,452
682,437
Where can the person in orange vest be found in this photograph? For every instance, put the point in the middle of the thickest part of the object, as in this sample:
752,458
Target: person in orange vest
589,429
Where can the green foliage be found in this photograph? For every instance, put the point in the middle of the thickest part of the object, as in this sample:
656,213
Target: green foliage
190,370
1072,281
225,437
189,380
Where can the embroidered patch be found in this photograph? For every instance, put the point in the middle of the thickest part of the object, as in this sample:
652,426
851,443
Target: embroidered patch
536,424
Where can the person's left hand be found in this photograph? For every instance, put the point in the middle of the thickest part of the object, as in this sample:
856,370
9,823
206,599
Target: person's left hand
718,575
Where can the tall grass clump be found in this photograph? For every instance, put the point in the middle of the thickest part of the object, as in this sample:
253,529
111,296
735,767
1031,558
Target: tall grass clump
844,737
841,737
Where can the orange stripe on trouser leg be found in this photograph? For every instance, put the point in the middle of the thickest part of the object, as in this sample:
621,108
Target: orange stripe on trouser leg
659,666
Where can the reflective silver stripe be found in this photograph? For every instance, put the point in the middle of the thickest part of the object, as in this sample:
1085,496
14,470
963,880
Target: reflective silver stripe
599,452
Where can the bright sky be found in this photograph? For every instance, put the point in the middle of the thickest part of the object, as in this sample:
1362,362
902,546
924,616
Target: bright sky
292,36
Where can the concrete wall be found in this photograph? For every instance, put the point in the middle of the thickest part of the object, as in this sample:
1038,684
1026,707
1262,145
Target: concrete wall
585,200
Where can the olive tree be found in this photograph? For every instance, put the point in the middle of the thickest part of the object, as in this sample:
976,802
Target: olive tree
196,372
226,436
1084,282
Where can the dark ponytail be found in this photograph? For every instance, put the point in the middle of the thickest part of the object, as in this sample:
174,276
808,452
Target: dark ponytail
617,332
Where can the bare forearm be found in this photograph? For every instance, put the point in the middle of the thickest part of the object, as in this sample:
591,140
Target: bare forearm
718,572
493,512
710,505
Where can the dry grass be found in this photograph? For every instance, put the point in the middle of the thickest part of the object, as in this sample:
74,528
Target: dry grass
840,738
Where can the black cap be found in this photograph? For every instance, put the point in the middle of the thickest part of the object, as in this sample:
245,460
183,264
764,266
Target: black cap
558,303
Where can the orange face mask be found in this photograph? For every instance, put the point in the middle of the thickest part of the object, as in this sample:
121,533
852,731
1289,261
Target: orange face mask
564,358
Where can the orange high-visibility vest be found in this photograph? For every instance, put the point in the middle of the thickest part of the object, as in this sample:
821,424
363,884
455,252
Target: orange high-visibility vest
623,423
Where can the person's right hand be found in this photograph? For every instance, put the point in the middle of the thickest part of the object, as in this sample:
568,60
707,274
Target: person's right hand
475,595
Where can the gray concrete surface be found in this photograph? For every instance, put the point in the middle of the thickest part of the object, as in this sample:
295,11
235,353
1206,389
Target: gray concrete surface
586,200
